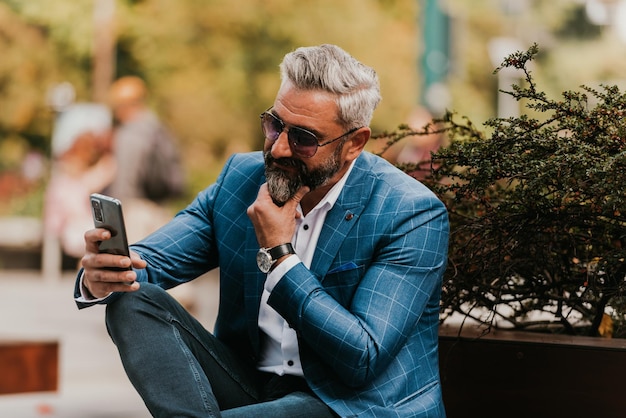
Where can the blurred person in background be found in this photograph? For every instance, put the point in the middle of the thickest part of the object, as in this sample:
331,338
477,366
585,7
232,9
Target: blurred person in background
82,164
331,263
149,168
416,149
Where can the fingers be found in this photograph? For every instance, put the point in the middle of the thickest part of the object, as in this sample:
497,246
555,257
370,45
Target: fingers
266,200
297,198
101,289
93,238
274,224
105,273
136,261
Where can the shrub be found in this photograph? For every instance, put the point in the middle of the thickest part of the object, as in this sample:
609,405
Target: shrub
537,208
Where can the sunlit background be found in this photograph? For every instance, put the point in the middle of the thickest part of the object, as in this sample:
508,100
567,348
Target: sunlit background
212,67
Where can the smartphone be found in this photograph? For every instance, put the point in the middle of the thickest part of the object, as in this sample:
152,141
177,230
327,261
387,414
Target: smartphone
107,213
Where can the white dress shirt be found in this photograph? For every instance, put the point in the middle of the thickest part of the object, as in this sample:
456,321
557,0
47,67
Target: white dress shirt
279,352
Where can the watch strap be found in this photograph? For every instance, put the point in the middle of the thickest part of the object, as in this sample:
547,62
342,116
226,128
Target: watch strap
281,250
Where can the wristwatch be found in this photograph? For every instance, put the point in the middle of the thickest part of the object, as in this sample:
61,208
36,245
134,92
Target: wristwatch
266,257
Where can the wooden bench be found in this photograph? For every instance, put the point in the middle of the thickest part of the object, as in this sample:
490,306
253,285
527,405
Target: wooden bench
28,366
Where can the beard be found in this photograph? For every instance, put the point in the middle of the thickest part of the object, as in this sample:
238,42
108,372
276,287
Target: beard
283,184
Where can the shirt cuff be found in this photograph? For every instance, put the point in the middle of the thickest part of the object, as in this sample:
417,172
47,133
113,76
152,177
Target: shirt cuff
279,271
85,296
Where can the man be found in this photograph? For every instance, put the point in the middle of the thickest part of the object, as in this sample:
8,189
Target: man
338,318
148,160
149,171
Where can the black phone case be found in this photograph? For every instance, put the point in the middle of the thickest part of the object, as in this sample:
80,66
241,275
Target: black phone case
107,213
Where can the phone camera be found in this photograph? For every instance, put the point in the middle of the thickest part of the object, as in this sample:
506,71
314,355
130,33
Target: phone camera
97,210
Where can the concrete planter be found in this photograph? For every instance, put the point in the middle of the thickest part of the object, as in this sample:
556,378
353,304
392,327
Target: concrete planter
508,374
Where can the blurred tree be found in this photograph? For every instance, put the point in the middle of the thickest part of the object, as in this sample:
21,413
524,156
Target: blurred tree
573,50
22,117
212,65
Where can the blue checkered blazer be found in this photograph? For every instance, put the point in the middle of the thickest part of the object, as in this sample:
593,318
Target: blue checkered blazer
366,312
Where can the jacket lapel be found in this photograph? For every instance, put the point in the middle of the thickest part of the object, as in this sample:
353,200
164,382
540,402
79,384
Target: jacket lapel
343,216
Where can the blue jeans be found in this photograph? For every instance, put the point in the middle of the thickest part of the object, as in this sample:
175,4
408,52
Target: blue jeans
181,370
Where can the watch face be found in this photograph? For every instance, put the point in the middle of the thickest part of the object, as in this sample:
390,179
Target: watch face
264,260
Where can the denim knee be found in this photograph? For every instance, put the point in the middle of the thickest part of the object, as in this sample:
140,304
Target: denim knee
123,312
128,300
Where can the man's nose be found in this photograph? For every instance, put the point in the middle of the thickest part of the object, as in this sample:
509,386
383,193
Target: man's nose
280,147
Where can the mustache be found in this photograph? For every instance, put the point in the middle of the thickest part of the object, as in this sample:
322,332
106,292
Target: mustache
285,162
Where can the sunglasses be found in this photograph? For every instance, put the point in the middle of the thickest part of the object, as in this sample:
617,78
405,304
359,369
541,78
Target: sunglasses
302,142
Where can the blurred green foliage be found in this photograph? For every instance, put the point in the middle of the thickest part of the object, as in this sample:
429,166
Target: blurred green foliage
212,65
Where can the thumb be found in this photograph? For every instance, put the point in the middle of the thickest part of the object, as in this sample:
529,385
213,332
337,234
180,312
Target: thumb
297,198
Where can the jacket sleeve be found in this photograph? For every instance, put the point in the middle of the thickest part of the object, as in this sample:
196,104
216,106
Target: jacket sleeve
399,274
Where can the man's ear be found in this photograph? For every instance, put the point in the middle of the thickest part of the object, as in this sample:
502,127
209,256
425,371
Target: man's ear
357,142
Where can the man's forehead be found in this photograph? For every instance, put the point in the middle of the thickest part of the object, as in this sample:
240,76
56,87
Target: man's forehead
308,107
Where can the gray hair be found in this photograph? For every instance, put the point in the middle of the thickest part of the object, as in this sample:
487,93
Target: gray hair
331,69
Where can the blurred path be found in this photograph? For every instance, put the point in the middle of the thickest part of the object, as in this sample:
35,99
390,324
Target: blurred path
92,382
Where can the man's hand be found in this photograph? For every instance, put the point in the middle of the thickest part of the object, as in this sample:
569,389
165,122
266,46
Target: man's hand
274,225
99,278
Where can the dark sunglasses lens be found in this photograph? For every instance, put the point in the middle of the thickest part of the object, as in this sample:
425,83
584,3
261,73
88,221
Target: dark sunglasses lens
271,126
303,142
